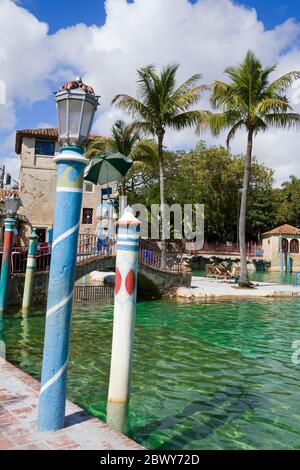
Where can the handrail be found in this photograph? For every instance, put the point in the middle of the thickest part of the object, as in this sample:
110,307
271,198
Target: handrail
91,248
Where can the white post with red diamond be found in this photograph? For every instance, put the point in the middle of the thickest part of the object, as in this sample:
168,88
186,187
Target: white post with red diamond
124,319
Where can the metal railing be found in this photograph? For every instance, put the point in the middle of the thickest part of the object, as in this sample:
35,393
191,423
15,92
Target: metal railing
19,259
103,294
151,255
232,249
90,248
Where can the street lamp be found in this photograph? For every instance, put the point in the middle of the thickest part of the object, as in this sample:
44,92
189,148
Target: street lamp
12,204
76,106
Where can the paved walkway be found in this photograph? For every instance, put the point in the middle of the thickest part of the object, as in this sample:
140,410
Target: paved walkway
18,410
207,288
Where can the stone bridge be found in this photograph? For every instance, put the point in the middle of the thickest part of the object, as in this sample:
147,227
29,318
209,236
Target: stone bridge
153,279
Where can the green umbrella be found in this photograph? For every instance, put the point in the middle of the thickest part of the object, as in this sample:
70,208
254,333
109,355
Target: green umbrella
107,168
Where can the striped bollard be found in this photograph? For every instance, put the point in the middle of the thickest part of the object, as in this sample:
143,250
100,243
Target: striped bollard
30,268
70,172
124,319
9,225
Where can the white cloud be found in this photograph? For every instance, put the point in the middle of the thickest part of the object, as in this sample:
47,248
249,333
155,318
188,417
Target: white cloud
204,37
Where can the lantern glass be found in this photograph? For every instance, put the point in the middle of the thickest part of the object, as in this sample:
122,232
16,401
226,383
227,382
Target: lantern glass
62,109
12,204
75,107
87,119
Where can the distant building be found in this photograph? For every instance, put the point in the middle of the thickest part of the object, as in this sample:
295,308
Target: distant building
281,247
37,149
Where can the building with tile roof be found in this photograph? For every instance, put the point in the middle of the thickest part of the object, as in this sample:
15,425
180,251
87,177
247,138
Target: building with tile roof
37,184
281,247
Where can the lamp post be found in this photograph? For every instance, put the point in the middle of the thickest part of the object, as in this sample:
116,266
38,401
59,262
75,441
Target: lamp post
12,204
76,106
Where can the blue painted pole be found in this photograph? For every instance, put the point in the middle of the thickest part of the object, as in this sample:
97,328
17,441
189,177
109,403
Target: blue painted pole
9,225
70,172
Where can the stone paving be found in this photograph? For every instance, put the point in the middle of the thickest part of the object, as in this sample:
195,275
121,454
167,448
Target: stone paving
18,414
208,288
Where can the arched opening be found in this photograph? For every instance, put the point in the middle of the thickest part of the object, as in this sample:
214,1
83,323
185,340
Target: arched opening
284,245
294,246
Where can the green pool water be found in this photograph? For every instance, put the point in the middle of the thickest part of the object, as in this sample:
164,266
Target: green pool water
205,376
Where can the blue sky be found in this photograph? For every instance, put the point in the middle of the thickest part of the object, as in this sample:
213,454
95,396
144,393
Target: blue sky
35,61
61,13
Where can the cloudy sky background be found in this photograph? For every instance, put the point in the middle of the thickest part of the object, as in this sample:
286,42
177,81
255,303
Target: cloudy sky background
44,43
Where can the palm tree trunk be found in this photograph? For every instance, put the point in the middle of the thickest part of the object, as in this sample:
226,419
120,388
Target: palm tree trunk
244,277
162,198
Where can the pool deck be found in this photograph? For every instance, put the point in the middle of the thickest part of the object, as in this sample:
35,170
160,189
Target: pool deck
209,289
18,413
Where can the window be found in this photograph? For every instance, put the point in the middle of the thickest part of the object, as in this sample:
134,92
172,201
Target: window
88,187
87,215
294,246
41,233
44,147
284,245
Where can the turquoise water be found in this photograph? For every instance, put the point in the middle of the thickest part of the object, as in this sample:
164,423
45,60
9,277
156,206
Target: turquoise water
280,278
205,376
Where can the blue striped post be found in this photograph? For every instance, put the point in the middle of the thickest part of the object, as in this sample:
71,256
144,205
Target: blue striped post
9,224
70,172
124,319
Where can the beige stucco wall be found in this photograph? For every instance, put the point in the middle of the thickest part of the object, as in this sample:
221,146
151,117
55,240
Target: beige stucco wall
270,246
37,191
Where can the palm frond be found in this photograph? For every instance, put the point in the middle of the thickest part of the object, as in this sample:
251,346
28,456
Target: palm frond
187,119
232,132
283,83
283,120
132,106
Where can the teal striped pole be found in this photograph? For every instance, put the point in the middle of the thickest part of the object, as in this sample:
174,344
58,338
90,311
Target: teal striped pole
30,268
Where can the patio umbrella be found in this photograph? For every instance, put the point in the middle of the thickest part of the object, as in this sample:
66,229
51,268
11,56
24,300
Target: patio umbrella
107,168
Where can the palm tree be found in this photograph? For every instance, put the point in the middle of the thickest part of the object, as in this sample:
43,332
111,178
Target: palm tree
161,104
127,141
250,102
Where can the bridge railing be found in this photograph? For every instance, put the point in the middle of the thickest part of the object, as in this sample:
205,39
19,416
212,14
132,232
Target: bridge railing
90,247
151,255
232,249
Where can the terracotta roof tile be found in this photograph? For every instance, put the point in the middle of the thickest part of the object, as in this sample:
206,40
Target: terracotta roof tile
48,133
7,192
285,229
75,84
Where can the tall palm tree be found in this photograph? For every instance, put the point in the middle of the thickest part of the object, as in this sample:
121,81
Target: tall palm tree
160,104
126,140
250,102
